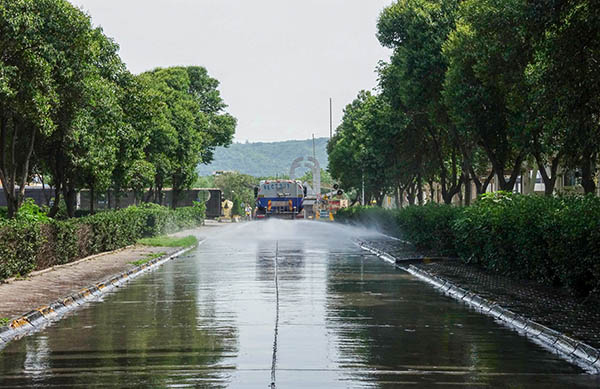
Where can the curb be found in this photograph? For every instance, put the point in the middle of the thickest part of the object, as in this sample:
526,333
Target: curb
41,317
569,349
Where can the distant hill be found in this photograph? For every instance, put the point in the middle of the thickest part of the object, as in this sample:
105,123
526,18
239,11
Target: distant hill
265,158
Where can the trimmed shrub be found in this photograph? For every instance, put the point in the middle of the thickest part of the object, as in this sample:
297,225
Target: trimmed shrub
20,241
428,227
33,241
374,217
553,240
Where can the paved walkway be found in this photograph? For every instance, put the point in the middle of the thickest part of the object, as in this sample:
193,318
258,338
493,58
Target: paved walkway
41,288
551,307
19,296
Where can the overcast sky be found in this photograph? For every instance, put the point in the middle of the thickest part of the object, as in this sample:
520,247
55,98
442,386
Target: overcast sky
278,61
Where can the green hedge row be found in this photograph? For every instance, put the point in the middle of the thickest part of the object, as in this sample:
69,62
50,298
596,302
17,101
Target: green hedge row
33,243
554,240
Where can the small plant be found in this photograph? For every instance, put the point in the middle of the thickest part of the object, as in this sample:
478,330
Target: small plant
168,241
148,258
30,212
4,321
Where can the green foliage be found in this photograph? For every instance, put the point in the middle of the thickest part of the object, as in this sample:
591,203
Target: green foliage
360,150
428,227
28,243
552,240
168,241
71,111
30,212
236,185
148,258
195,123
375,217
20,243
265,159
236,208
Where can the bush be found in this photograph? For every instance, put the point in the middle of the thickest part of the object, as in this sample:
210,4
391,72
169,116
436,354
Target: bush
20,242
553,240
33,241
374,217
428,227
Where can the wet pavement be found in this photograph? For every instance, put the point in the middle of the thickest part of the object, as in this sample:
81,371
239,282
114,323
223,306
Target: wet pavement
297,303
552,307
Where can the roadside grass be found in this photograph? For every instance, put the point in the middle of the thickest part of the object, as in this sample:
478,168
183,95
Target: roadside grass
148,258
4,321
167,241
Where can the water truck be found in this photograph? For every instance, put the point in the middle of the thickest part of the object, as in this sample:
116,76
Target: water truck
279,198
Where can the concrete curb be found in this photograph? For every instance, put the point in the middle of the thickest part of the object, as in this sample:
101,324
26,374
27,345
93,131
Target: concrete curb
571,350
41,317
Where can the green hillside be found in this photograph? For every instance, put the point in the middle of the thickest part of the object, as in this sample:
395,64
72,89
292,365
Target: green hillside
265,158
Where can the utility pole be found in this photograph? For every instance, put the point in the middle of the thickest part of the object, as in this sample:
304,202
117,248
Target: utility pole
362,200
330,120
314,154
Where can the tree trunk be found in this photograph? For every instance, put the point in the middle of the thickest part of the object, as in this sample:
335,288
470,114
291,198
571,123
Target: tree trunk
174,197
420,189
410,194
56,205
549,180
587,174
150,195
399,194
431,191
14,171
159,195
467,183
92,199
70,196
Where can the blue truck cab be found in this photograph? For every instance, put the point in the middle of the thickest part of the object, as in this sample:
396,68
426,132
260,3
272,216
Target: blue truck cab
279,198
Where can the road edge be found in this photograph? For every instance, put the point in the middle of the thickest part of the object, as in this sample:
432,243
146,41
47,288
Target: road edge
38,319
569,349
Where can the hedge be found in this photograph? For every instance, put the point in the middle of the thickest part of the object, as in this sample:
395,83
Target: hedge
428,227
28,243
553,240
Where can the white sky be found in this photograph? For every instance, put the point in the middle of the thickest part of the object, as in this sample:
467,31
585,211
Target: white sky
278,61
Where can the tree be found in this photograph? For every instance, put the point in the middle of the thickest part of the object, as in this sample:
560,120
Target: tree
413,82
237,185
81,151
565,78
139,176
197,124
27,92
485,86
357,152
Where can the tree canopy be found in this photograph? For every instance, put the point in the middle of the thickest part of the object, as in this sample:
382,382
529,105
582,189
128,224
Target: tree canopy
476,90
70,111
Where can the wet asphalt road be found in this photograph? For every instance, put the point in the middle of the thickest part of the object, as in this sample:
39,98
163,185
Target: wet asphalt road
343,318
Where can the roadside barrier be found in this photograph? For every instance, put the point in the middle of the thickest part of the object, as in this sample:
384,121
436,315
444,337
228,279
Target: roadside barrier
40,318
569,349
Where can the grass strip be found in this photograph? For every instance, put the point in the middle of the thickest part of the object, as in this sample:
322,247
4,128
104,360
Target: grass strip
168,241
4,321
147,258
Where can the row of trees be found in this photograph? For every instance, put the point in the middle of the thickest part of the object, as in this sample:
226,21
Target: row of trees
71,113
476,89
